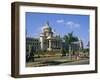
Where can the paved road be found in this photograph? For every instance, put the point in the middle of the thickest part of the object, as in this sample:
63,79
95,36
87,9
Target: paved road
77,62
58,61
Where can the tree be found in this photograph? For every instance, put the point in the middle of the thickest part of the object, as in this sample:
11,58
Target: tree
63,52
69,38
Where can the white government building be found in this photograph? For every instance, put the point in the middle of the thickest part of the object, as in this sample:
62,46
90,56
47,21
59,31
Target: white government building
49,41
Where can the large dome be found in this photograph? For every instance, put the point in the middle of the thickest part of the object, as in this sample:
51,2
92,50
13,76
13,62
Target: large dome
47,28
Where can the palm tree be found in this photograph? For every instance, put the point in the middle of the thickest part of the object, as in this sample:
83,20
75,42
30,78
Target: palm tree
69,38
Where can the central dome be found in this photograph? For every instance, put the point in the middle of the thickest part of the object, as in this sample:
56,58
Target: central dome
47,28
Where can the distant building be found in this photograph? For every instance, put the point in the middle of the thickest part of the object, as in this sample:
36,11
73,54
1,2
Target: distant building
77,45
32,44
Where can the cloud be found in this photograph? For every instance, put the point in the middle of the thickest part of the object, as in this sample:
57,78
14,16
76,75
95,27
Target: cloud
60,21
72,24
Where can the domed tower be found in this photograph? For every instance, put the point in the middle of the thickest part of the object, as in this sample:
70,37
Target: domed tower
47,30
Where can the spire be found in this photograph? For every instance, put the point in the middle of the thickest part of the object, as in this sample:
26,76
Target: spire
47,23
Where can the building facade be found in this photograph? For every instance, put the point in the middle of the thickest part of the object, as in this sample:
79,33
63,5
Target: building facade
32,44
77,46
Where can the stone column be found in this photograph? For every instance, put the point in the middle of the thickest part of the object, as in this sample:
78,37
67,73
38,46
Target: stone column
50,45
42,43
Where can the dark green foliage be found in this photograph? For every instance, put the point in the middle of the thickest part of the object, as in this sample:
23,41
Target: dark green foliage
70,38
63,52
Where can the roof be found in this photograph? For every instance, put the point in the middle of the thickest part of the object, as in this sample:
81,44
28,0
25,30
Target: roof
46,25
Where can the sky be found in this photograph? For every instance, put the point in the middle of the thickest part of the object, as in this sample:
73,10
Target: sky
62,24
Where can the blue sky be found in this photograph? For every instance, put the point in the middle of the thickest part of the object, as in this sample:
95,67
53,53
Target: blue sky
62,24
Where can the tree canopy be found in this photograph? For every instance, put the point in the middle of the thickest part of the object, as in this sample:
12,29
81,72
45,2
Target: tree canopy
69,38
